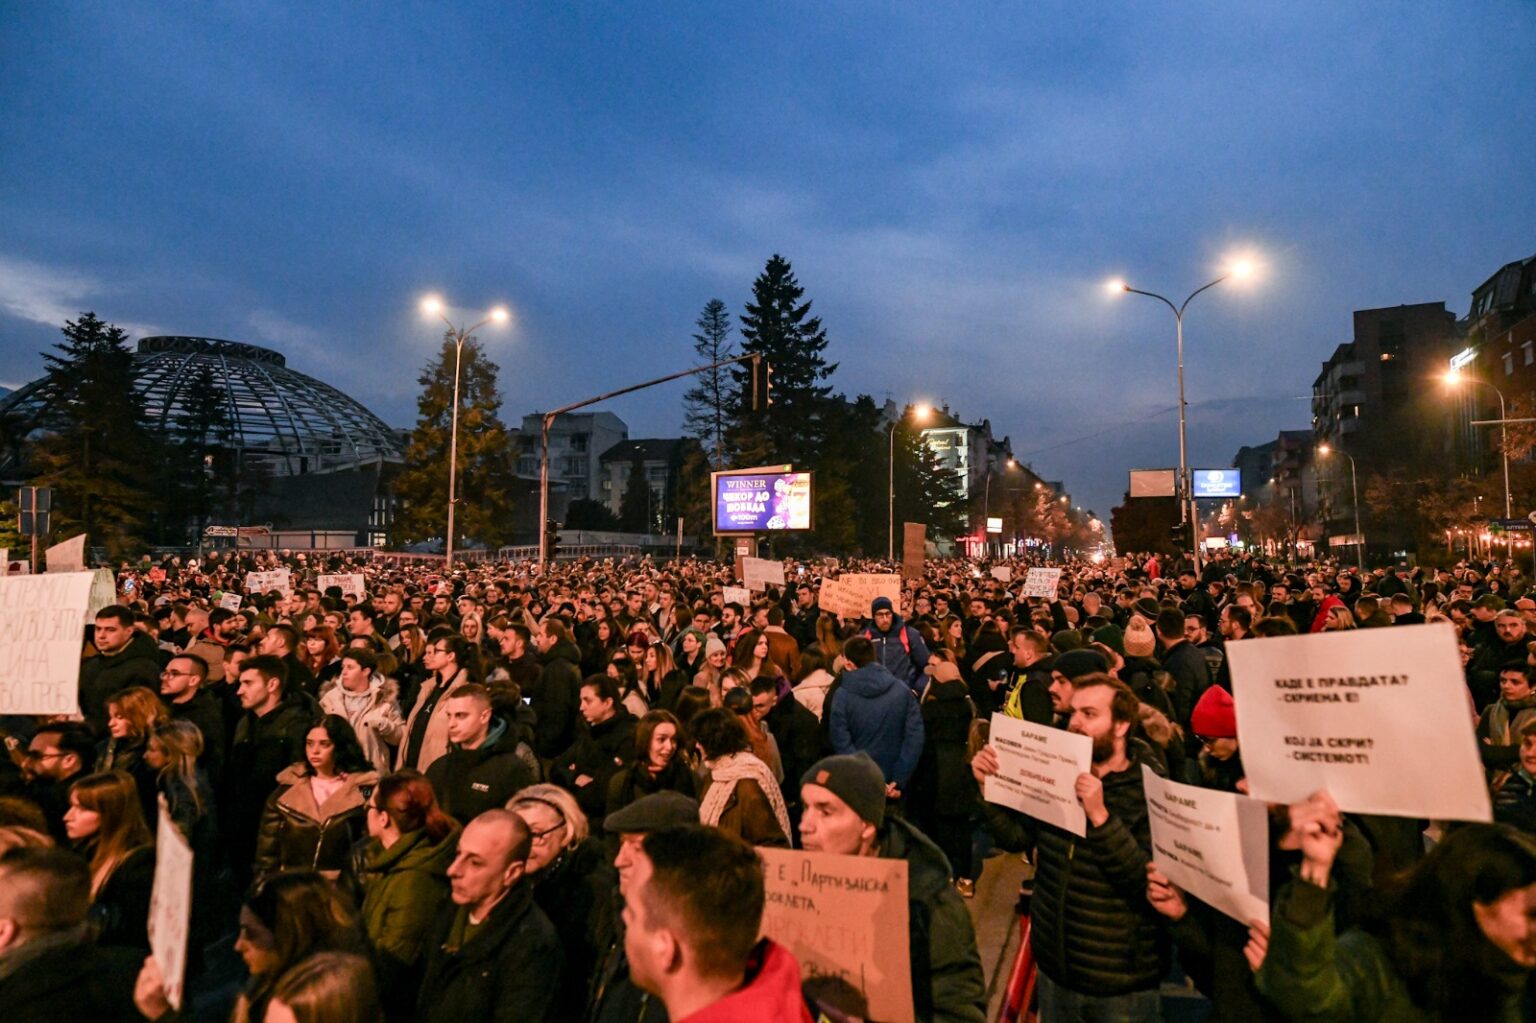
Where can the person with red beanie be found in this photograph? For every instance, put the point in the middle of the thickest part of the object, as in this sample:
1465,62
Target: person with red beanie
1214,723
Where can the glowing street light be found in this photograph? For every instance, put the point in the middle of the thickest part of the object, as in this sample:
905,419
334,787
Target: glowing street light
433,305
1239,269
1454,378
1354,486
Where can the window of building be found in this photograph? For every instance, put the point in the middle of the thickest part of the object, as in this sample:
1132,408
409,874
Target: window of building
1509,363
578,442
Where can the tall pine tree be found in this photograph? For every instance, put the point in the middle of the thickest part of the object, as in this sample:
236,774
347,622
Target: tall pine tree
98,457
487,454
706,403
779,326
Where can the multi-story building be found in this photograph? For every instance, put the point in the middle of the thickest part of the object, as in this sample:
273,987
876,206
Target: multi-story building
660,459
576,440
1500,350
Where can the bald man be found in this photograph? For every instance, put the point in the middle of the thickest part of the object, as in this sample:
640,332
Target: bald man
495,955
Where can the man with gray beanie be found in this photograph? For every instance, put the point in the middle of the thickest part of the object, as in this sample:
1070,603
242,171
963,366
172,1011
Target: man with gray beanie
844,813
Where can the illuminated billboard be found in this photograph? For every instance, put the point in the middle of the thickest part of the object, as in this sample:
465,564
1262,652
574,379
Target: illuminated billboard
1217,483
762,501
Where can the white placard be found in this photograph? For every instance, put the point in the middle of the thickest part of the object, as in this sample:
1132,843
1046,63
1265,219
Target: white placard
1038,768
279,579
231,601
41,640
1042,582
850,596
758,573
352,584
1003,574
1380,718
170,904
1214,845
737,595
68,556
103,592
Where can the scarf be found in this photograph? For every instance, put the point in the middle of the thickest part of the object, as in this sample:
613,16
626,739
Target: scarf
725,772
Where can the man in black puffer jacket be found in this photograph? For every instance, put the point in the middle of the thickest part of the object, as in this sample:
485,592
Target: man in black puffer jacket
606,744
556,697
1102,949
125,657
482,768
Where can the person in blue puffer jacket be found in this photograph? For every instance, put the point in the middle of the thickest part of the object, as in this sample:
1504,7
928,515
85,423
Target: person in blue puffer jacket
873,710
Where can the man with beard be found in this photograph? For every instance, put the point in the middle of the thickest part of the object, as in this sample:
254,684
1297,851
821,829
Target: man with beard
1101,949
223,629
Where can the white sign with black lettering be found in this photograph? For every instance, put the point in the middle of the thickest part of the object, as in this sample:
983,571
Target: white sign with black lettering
1381,718
1214,845
1042,582
1038,768
40,640
279,579
351,585
758,573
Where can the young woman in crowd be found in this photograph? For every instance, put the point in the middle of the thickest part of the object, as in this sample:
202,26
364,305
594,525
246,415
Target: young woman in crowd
573,883
104,822
317,813
626,677
660,678
321,653
714,668
657,767
814,681
132,715
328,987
741,796
752,657
402,870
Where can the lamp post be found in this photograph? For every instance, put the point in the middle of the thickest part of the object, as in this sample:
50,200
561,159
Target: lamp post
919,413
1187,510
433,306
1454,377
986,503
1354,490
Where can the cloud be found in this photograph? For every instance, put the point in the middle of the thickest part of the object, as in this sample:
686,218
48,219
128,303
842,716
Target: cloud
51,295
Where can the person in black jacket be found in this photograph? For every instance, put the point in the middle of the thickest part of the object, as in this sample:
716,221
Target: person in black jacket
556,697
269,737
942,795
181,686
482,768
1185,662
1101,948
125,657
493,955
600,749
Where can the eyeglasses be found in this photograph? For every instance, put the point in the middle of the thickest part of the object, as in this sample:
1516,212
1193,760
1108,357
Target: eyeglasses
541,836
43,754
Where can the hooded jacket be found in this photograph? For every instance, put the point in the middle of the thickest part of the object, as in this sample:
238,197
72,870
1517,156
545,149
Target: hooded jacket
770,992
556,699
1094,931
905,659
299,834
947,980
874,711
403,888
378,724
137,664
469,782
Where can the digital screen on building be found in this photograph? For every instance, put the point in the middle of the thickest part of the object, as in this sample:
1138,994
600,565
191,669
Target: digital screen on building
1218,483
762,502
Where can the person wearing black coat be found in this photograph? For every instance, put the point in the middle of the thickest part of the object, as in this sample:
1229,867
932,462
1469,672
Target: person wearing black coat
798,734
603,746
556,697
121,908
205,711
493,956
269,737
482,771
125,658
942,796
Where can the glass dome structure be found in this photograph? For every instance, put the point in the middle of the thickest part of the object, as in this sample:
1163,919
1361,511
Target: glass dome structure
290,422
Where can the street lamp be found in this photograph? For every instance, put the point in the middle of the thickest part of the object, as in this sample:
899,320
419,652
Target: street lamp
1238,270
919,413
1354,489
986,501
432,305
1455,376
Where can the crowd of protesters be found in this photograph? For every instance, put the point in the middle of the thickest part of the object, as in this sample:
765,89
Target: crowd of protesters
496,794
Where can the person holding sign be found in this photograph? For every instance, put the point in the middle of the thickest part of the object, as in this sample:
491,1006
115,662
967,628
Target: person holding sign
844,813
1452,940
1102,950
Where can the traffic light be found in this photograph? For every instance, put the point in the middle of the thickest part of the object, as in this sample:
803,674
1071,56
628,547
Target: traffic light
552,538
762,384
1179,534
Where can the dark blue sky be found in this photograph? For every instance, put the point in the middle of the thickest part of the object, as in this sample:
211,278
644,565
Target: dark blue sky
953,184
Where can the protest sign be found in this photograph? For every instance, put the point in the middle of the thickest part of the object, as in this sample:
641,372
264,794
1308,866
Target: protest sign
1003,574
40,618
1212,844
757,573
1378,717
914,547
1042,582
68,556
850,596
103,593
230,601
351,585
170,904
845,920
737,595
1037,771
279,579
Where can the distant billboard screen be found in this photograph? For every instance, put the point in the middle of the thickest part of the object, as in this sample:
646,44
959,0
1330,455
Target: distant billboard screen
1218,483
1152,482
762,502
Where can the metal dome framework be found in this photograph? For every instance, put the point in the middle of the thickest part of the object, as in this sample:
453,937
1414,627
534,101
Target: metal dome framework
291,422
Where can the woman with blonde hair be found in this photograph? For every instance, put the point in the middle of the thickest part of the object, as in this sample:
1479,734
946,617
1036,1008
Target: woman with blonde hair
105,824
708,677
660,678
573,883
132,714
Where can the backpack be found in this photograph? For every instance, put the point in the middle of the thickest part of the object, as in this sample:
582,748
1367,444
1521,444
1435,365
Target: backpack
906,644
